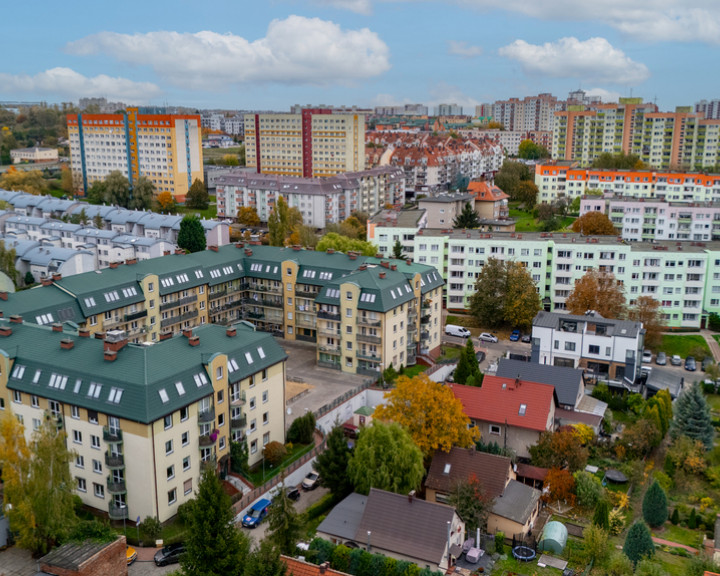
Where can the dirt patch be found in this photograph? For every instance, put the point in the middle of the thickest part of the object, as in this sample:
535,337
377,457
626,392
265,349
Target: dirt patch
295,390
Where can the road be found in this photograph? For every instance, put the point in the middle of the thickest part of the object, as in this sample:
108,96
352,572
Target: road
493,350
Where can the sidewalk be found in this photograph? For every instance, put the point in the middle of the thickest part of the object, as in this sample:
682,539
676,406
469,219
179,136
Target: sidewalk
663,542
712,343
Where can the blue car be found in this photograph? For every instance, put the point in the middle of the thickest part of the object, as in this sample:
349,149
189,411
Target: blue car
256,514
515,336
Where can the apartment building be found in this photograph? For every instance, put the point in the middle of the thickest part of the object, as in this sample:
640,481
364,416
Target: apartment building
640,220
567,180
442,210
710,109
448,110
172,408
165,148
34,155
609,348
312,143
276,289
321,201
390,226
532,113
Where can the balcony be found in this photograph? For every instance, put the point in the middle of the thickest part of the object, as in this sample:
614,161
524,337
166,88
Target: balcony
329,315
368,372
255,315
330,349
209,463
114,461
115,486
306,292
332,365
332,333
239,423
135,315
237,399
112,435
272,303
177,319
206,415
305,338
424,335
368,338
368,321
178,302
425,319
368,356
117,512
206,440
217,294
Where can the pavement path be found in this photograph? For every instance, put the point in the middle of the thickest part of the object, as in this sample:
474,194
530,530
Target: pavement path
712,343
663,542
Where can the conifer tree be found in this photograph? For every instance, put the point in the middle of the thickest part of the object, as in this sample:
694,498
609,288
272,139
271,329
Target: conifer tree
654,506
638,543
333,462
692,417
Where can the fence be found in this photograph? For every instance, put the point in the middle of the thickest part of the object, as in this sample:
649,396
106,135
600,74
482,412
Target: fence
325,408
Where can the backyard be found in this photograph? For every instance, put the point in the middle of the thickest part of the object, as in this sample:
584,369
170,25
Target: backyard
685,345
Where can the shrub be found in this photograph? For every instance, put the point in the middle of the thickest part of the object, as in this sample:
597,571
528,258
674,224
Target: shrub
588,488
151,527
617,521
185,510
275,452
601,517
654,506
499,542
302,429
675,518
638,543
692,520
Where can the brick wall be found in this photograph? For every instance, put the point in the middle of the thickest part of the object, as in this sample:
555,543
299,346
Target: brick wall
110,561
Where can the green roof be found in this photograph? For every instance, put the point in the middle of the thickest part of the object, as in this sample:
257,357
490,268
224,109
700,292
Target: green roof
43,300
376,293
365,411
139,371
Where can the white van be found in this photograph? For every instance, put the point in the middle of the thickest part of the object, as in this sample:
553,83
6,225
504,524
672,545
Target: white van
453,330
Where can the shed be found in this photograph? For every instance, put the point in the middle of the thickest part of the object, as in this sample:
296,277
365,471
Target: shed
554,537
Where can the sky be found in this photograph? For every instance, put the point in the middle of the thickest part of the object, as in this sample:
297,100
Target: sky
271,54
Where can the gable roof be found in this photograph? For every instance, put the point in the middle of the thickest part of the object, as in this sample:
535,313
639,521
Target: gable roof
296,567
500,400
517,503
343,520
565,380
461,463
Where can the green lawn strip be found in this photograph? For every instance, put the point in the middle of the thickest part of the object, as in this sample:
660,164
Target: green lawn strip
218,153
683,345
256,475
713,401
449,354
680,535
412,371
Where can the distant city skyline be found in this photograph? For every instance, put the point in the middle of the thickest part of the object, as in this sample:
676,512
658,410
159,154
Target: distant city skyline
368,53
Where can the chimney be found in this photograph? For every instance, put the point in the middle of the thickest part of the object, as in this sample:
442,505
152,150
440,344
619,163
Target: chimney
248,252
56,277
194,340
352,255
179,251
3,295
109,355
213,248
411,496
187,332
57,327
331,250
393,267
67,344
130,261
115,340
100,335
46,281
323,567
165,335
166,253
408,262
381,275
385,264
378,256
362,267
297,248
231,332
114,265
84,333
16,319
5,330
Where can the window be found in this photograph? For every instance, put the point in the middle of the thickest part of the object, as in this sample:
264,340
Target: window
219,373
168,447
99,490
265,396
95,441
81,484
77,436
172,496
168,421
266,417
494,429
253,447
170,472
264,374
221,420
75,412
183,413
221,444
522,410
92,415
220,396
593,349
570,346
79,461
185,438
36,423
186,463
187,487
253,425
97,466
34,402
17,396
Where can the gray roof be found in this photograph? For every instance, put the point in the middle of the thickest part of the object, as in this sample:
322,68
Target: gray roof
46,255
447,198
565,380
343,520
72,556
517,502
617,328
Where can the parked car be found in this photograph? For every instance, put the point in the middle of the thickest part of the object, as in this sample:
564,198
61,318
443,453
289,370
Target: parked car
169,554
311,481
515,336
647,356
293,493
459,331
707,362
256,514
487,337
131,554
527,338
675,360
661,358
480,355
690,364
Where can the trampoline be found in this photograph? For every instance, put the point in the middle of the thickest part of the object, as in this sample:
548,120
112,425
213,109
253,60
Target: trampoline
523,553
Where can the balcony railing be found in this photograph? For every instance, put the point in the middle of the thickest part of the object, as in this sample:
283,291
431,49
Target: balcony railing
239,423
368,372
305,338
368,356
368,338
113,435
206,415
114,460
305,292
205,441
330,349
366,321
328,315
238,399
177,319
135,315
178,302
115,486
117,512
332,365
217,294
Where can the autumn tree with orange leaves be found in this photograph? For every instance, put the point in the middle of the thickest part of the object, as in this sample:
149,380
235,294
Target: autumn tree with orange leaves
165,201
559,486
594,224
430,412
599,291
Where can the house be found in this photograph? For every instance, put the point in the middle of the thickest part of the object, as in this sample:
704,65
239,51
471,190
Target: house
607,348
490,201
86,559
397,525
511,411
442,209
297,567
515,505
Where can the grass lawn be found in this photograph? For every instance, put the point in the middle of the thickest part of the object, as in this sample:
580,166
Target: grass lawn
683,344
680,535
218,153
713,401
260,475
412,371
208,214
449,354
525,221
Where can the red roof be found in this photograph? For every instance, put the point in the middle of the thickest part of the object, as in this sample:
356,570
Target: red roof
501,401
297,567
485,192
532,472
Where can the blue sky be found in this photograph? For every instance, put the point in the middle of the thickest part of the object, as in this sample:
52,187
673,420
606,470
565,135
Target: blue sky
271,54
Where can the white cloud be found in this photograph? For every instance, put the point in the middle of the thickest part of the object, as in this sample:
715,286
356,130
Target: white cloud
296,50
593,59
463,49
66,83
357,6
443,93
605,95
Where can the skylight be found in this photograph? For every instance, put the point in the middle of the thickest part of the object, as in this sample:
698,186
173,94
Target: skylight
200,379
261,352
523,408
115,395
164,396
18,371
94,390
248,357
90,302
180,388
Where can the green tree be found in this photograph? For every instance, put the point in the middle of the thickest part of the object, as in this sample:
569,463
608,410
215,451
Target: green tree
284,523
38,485
197,197
601,516
471,502
468,218
510,175
66,180
559,449
117,189
239,457
467,366
247,215
264,560
141,195
588,488
344,244
282,222
191,236
594,224
595,544
7,262
213,545
692,417
638,543
333,462
526,192
529,150
29,278
575,205
398,252
619,161
385,457
96,193
302,429
505,293
654,506
98,222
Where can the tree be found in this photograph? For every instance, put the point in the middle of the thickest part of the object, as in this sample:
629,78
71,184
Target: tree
528,150
302,429
526,192
648,567
617,161
213,546
29,278
117,189
96,193
504,293
141,195
98,222
282,222
284,523
191,236
468,218
264,560
430,412
385,457
38,485
510,175
638,543
597,290
352,227
344,244
197,197
575,205
654,506
595,544
230,160
7,262
647,310
639,438
397,252
471,502
559,485
247,216
692,417
601,516
306,236
30,181
559,449
275,452
467,366
588,488
66,180
333,462
166,201
594,224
